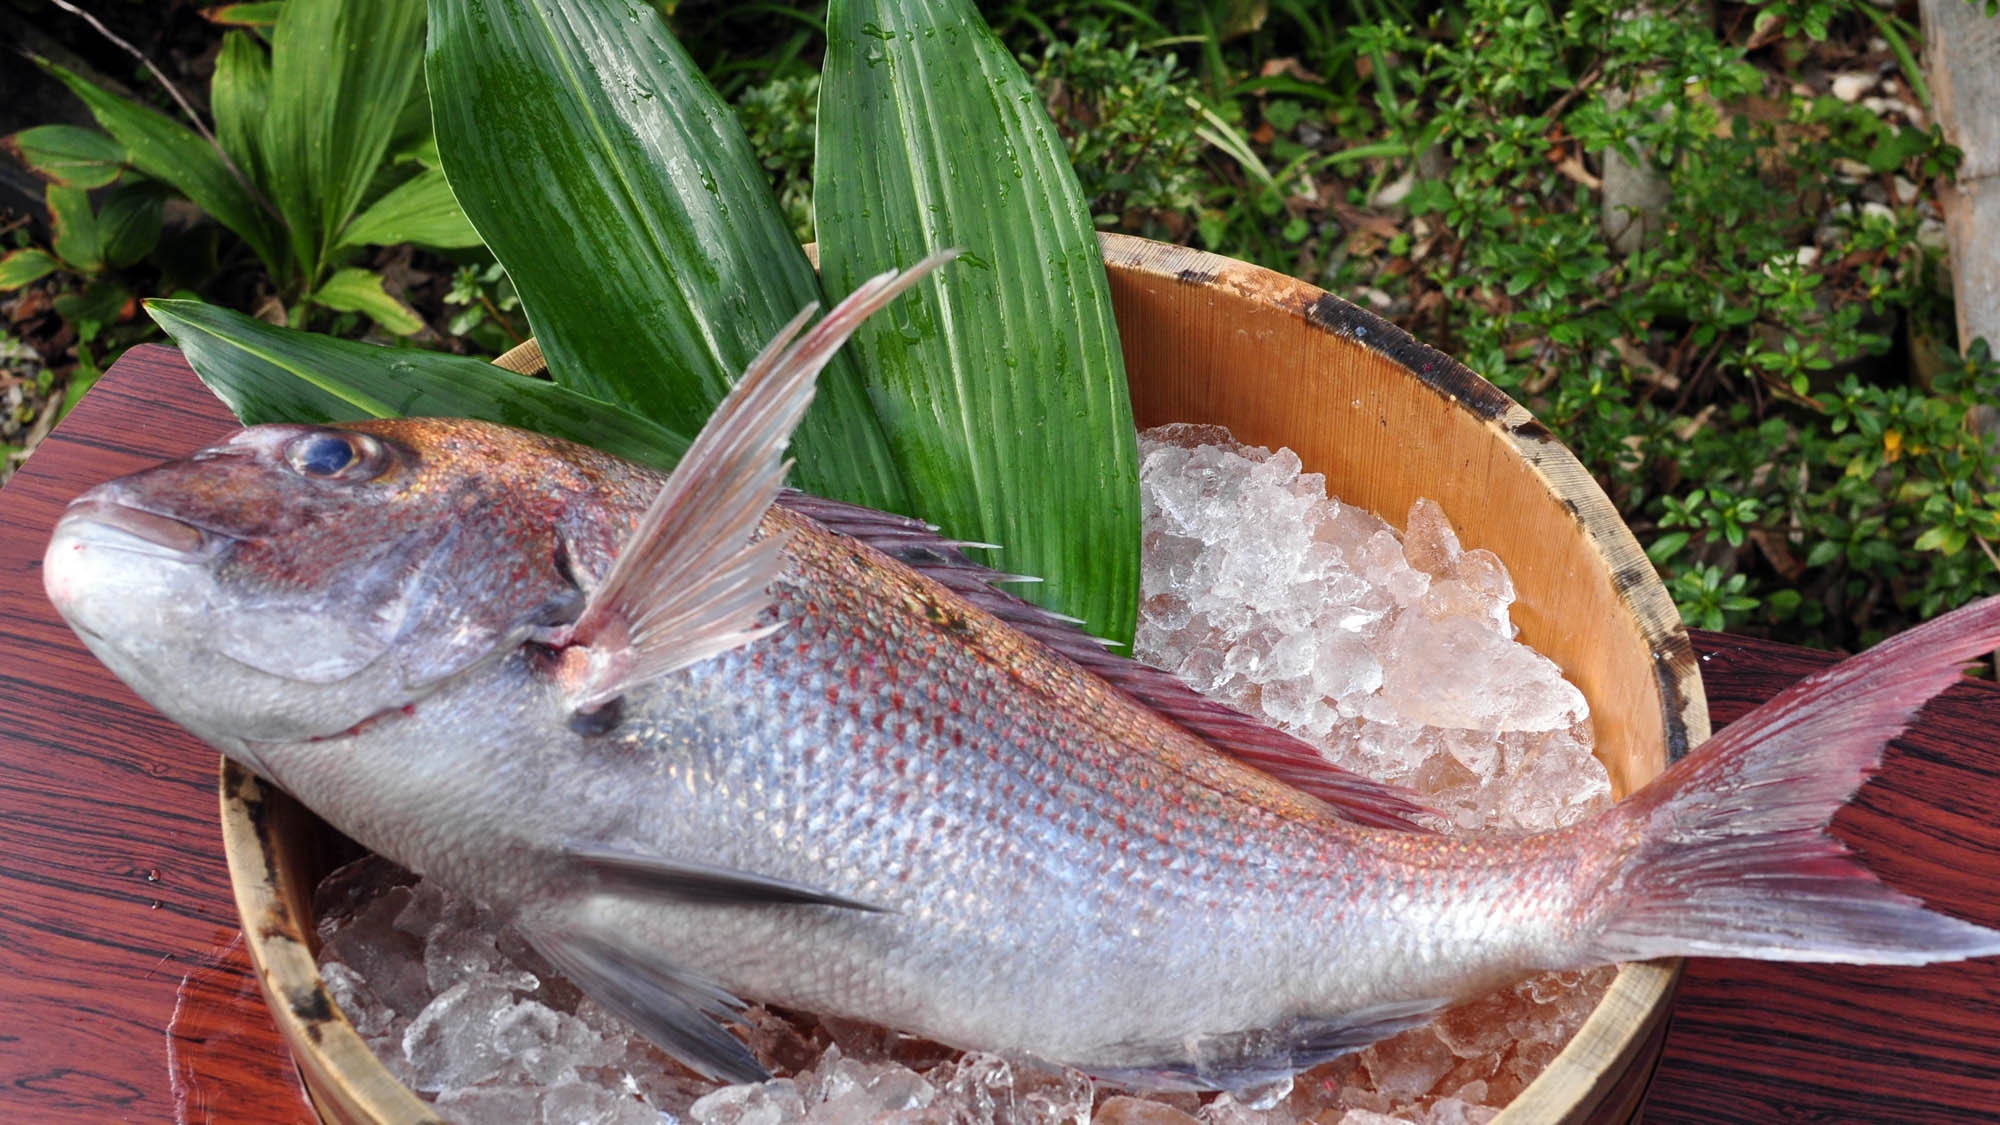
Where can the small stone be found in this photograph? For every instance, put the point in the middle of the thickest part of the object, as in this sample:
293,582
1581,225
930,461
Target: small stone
1849,87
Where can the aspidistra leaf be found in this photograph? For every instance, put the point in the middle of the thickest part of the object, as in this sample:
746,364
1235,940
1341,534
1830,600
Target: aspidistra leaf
240,95
419,210
619,191
21,267
359,290
68,155
1006,405
73,226
264,373
128,225
167,150
348,66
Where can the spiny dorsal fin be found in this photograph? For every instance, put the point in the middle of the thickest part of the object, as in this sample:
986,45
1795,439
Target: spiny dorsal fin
1290,760
691,582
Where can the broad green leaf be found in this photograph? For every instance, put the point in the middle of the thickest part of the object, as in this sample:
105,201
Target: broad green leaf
240,95
360,291
341,73
75,237
129,222
1004,399
262,14
264,373
619,191
167,150
420,210
23,266
100,303
68,155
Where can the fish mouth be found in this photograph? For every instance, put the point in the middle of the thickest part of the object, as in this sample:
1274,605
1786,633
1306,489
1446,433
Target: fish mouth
176,536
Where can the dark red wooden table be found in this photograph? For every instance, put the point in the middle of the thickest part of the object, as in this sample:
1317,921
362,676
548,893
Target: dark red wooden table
124,994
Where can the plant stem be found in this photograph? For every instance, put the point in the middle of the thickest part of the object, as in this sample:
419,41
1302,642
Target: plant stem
179,100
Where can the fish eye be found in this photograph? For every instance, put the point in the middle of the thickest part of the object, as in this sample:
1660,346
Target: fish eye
336,455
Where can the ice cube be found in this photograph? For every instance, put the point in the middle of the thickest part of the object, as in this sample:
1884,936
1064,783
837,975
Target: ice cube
776,1102
450,1043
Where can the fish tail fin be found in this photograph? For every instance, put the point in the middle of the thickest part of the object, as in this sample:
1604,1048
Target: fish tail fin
1730,856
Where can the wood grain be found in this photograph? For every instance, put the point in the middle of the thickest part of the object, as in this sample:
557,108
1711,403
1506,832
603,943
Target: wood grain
1759,1042
124,995
124,991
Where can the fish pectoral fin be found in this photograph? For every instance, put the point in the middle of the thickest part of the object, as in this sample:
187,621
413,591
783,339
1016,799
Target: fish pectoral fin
693,579
670,1005
617,871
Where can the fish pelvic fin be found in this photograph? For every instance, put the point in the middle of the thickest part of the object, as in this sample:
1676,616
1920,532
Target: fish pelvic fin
625,872
1730,854
674,1007
693,579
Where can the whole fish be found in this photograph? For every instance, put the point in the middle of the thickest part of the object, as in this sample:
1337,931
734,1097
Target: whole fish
702,739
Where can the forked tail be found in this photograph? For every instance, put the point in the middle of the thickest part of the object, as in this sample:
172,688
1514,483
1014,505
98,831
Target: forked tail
1733,858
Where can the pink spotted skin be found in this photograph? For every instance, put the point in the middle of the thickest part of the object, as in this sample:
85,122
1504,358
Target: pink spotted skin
1058,872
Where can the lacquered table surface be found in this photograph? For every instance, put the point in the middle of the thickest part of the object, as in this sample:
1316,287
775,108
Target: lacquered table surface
125,996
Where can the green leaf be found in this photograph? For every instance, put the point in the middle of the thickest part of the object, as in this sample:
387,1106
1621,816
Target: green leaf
129,221
75,238
1666,546
638,226
1004,395
262,14
23,266
360,291
68,155
1944,538
167,150
269,374
240,95
94,308
341,73
419,210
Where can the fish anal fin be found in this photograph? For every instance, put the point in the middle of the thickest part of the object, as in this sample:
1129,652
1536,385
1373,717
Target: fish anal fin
1228,731
670,1005
624,872
1246,1063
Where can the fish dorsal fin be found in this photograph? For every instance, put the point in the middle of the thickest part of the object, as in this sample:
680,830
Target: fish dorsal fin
1269,750
692,579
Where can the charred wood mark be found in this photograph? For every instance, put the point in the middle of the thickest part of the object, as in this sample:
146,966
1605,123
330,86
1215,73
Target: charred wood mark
1437,370
1668,669
1196,275
1533,430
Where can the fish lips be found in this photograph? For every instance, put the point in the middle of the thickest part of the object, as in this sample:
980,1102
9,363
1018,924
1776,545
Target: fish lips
174,536
104,541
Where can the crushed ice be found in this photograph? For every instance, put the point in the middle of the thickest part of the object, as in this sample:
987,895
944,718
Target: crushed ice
1394,654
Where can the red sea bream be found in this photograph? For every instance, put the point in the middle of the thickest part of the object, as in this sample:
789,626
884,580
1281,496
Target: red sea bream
701,740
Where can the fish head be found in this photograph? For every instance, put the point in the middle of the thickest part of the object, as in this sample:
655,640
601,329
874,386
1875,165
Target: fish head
293,581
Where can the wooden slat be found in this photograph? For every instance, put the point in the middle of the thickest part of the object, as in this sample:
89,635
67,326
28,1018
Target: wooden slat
1755,1042
124,991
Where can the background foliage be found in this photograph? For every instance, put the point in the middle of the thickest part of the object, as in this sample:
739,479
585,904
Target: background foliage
1753,351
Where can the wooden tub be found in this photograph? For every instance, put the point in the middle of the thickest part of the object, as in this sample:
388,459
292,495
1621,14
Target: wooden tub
1388,420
